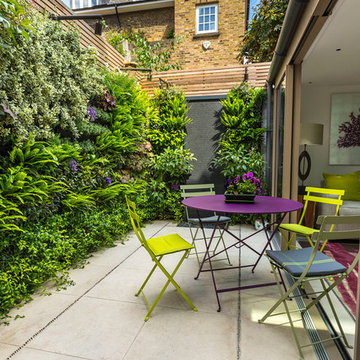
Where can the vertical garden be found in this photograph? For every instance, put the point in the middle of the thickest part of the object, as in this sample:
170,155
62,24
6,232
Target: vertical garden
74,139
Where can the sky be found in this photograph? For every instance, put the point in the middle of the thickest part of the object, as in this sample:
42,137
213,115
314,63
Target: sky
253,3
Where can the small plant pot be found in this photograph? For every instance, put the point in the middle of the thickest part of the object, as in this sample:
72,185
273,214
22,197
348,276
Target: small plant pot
240,198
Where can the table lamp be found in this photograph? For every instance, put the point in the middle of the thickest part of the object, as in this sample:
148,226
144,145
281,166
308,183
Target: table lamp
310,134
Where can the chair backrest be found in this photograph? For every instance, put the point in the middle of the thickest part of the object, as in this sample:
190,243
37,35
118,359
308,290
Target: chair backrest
322,195
135,222
325,235
197,190
325,220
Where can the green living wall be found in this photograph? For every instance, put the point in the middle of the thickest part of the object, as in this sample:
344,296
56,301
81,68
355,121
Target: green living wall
74,139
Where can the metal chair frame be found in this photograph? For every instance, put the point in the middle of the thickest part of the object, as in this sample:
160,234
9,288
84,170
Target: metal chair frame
172,244
300,281
202,190
299,229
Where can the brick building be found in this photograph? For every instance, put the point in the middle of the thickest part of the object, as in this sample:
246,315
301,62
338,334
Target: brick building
212,29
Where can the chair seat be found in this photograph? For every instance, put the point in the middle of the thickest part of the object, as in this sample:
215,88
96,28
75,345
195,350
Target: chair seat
299,229
295,261
210,220
168,244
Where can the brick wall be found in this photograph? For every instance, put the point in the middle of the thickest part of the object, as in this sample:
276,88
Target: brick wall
224,46
155,23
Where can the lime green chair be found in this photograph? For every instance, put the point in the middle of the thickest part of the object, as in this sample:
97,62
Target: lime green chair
158,248
224,221
309,264
327,196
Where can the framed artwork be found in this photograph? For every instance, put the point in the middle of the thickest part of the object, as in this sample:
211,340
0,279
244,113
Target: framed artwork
345,129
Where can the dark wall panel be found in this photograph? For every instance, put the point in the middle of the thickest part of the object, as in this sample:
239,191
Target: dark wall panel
202,139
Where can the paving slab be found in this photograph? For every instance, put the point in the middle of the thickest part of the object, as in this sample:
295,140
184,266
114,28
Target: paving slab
93,329
186,335
100,318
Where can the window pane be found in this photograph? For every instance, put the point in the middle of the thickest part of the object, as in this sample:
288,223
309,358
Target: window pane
77,4
206,18
93,3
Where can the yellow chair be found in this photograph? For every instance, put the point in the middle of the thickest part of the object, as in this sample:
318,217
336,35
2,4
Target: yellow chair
158,248
224,221
328,196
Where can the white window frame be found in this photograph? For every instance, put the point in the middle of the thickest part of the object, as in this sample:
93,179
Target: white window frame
213,5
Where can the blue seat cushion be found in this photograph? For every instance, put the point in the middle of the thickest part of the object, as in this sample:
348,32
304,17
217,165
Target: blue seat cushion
209,220
295,261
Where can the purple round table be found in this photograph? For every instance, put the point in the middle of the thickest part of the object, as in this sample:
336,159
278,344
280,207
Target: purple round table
262,205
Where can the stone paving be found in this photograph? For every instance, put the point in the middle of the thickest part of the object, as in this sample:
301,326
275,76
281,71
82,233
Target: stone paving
100,318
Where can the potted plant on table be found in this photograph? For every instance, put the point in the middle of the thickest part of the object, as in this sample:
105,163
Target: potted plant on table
242,189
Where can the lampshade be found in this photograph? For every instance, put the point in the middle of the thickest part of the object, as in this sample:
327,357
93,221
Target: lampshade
311,134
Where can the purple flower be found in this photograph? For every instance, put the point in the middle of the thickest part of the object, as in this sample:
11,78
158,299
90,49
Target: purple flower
175,187
73,165
92,113
108,179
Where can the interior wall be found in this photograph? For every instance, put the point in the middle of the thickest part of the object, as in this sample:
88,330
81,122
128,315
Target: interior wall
316,108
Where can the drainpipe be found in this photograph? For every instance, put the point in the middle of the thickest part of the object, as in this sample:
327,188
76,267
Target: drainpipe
293,15
117,15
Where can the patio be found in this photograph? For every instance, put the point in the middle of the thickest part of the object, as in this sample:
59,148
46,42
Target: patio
100,318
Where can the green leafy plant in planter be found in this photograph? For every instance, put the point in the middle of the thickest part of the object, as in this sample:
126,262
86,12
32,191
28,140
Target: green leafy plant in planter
247,184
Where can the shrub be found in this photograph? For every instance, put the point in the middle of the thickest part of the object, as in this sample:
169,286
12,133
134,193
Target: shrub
55,72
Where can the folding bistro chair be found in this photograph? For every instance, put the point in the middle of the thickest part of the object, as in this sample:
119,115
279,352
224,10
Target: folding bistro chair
158,248
224,221
328,196
309,264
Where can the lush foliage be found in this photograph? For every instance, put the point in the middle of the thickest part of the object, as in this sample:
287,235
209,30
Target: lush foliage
55,71
260,39
155,56
74,140
13,23
168,130
242,118
233,162
239,149
171,164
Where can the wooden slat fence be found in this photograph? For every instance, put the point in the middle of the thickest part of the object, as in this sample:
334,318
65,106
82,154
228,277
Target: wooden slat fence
106,53
214,81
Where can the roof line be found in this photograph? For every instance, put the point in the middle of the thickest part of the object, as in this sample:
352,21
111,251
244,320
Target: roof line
130,4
